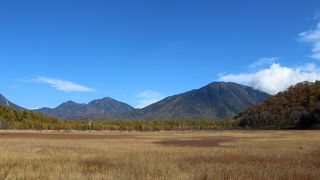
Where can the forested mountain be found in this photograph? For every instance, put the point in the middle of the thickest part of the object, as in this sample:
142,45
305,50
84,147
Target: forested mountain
296,108
62,111
216,100
106,108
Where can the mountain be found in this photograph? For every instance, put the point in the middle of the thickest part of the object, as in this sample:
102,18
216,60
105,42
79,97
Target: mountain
65,110
296,108
5,102
106,108
216,100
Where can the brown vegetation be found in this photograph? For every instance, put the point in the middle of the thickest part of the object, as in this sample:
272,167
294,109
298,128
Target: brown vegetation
160,155
296,108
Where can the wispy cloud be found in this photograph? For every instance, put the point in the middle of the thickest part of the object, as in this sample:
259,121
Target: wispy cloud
263,62
276,77
148,97
313,36
317,15
14,86
62,85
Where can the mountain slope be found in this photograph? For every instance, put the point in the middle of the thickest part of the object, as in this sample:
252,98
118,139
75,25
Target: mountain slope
216,100
106,108
5,102
296,108
64,110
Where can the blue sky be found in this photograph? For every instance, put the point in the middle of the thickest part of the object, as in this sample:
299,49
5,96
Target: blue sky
141,51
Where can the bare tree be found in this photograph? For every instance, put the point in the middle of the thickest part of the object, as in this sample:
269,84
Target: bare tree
90,125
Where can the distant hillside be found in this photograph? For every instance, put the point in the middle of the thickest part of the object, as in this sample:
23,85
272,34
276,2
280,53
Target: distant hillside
296,108
106,108
216,100
5,102
64,110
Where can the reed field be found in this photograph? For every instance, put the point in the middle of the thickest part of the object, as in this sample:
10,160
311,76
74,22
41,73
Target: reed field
160,155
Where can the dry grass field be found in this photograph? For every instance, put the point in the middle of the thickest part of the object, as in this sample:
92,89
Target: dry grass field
160,155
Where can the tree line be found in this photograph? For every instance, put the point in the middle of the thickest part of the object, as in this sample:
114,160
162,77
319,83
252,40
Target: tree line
296,108
24,119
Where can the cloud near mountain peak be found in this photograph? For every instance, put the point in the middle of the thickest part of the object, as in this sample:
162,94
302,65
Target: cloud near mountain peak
276,77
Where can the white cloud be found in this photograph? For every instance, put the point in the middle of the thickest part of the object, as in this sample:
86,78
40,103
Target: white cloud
33,108
276,77
313,36
148,97
62,85
263,61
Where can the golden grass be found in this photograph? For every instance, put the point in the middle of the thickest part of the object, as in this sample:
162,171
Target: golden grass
160,155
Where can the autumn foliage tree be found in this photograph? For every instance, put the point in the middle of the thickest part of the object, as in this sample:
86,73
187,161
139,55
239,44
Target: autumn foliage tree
296,108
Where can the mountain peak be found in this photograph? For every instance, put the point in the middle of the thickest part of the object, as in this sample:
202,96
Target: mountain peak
105,99
224,84
68,106
105,108
70,102
215,100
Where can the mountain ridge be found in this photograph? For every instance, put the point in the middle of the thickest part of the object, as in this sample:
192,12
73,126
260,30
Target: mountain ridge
216,100
210,101
96,109
5,102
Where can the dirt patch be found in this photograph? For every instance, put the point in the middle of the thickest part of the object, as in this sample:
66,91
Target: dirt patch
69,136
198,142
